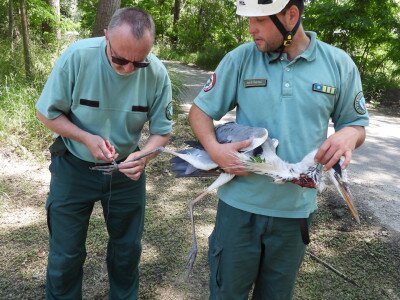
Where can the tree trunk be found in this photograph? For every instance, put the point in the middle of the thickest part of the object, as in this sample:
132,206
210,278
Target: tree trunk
105,10
177,14
11,23
25,36
55,5
177,11
52,27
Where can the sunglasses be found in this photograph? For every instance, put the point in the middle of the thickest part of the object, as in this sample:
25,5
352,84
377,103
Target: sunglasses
123,61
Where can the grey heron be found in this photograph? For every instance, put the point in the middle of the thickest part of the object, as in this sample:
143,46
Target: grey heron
260,158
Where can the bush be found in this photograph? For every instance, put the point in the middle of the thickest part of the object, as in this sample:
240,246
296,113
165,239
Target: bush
19,128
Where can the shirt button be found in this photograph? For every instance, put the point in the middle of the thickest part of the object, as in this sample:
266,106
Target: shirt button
287,69
287,84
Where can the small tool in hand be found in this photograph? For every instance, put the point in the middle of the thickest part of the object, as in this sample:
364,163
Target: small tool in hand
113,167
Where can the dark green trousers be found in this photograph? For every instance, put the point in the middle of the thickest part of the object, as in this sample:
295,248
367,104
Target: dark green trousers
247,250
73,191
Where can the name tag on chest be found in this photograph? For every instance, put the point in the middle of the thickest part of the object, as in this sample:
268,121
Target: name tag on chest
248,83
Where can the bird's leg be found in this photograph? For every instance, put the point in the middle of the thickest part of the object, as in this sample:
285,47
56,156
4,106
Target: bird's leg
337,176
221,180
193,252
113,167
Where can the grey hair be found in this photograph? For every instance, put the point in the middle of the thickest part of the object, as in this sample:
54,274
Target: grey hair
136,18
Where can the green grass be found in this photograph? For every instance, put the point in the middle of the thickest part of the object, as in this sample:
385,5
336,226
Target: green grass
363,252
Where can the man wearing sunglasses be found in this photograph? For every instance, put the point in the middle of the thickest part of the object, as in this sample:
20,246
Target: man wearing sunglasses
97,99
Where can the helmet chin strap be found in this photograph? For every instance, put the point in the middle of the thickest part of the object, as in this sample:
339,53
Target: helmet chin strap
287,35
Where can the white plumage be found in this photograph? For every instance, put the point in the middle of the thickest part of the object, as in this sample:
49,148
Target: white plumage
260,158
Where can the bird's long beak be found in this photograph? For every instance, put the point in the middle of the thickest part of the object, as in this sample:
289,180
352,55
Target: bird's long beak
342,186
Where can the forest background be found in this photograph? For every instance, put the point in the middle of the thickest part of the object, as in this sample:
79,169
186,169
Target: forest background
34,33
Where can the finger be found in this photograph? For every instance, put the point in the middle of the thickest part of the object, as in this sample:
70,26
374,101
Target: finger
112,151
236,169
242,173
333,160
135,177
242,144
100,155
130,162
321,152
236,172
130,167
108,144
110,148
347,158
132,174
330,154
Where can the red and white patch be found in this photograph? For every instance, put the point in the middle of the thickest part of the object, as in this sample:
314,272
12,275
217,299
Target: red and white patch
210,83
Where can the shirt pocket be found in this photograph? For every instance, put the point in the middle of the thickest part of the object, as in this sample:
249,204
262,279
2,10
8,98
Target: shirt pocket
135,121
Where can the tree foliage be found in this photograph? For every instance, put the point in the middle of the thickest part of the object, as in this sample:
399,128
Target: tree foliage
202,31
366,29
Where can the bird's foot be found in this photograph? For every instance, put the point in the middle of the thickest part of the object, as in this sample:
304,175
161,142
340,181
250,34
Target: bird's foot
191,259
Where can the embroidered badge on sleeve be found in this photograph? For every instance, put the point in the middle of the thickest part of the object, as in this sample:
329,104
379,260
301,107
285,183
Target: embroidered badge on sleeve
359,104
169,111
210,83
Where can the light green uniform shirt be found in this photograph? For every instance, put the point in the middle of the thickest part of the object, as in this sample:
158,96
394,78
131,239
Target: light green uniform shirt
294,101
84,86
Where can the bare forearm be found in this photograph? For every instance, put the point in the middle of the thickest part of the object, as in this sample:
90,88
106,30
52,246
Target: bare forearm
134,166
64,127
222,154
203,128
360,135
100,148
153,142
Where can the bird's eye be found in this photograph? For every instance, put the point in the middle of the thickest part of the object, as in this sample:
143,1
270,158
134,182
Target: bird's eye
258,151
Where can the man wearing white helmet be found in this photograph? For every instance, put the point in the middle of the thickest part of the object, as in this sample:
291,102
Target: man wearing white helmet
290,83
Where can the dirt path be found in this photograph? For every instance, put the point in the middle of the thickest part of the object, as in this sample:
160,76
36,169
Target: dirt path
375,169
374,180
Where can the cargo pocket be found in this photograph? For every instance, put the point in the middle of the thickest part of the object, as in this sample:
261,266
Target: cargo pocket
214,257
48,206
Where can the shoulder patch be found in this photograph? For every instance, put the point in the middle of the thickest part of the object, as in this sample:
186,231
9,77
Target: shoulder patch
169,111
210,83
359,104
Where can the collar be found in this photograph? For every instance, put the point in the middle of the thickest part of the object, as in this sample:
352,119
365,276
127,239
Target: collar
309,54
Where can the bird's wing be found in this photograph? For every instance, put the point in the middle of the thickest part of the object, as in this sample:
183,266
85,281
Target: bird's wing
196,157
232,132
182,168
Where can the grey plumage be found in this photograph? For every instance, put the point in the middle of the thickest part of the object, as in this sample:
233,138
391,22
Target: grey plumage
260,158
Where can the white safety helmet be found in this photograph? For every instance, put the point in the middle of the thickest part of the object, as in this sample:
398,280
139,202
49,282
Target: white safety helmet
259,8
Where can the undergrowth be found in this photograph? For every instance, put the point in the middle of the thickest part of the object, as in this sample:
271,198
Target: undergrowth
363,253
